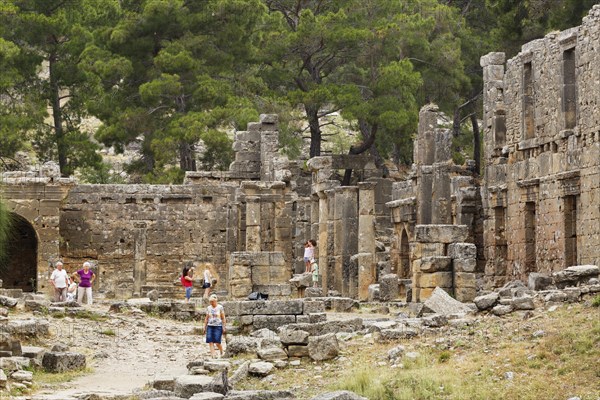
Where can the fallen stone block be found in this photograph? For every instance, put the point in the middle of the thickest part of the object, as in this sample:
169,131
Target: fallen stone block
486,301
501,310
575,275
324,347
339,395
373,292
8,302
164,382
388,335
440,302
207,396
389,288
261,368
272,321
240,345
314,306
63,361
523,303
297,351
435,321
289,337
537,281
217,365
378,326
28,327
555,297
313,292
188,385
268,307
322,328
37,305
9,346
272,354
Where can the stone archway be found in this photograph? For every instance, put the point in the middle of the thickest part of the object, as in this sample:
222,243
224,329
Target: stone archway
19,269
405,272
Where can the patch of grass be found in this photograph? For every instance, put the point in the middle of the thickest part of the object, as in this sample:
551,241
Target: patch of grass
596,301
108,332
92,316
58,315
41,377
444,356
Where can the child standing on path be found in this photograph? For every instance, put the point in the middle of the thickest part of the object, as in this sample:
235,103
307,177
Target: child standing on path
309,253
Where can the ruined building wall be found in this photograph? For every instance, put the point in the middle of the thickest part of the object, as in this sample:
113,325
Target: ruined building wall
542,150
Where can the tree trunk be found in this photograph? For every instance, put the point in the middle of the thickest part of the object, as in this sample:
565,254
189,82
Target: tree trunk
476,144
187,159
59,133
312,114
368,133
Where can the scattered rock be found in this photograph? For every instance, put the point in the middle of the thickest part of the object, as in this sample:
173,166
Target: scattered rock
261,368
37,305
240,345
164,382
260,395
500,310
396,352
440,302
537,281
153,295
486,301
509,375
523,303
22,376
272,354
188,385
217,365
323,347
59,347
435,320
339,395
574,275
207,396
3,379
388,335
8,302
298,337
62,361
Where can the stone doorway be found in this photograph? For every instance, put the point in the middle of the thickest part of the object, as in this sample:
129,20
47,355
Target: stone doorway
19,269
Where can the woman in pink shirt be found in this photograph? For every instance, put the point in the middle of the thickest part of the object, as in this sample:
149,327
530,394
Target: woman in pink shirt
86,280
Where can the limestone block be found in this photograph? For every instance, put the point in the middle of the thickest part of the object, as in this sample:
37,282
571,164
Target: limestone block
289,337
464,264
260,395
389,335
389,287
441,233
313,292
501,310
435,264
8,301
313,306
240,345
486,301
462,250
278,307
538,281
575,274
314,318
339,395
297,351
440,302
188,385
272,354
436,279
421,250
164,382
464,280
323,347
272,321
373,292
9,345
63,361
465,294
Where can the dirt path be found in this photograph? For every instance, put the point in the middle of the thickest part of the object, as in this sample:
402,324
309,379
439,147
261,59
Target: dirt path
125,352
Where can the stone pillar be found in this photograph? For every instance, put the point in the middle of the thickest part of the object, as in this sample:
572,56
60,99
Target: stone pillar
330,244
366,238
139,253
322,239
345,234
253,241
314,217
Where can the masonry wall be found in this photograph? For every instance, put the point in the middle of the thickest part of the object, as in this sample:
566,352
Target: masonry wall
542,149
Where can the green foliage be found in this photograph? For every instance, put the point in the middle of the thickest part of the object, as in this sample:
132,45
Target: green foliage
5,229
596,301
101,174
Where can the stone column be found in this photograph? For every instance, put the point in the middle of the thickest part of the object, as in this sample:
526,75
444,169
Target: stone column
253,241
314,216
345,235
322,239
330,243
366,238
139,265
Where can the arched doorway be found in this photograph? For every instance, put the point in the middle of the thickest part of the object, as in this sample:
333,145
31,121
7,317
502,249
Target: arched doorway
19,269
404,256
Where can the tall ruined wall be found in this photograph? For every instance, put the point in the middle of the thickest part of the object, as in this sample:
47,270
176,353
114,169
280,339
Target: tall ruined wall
140,235
542,149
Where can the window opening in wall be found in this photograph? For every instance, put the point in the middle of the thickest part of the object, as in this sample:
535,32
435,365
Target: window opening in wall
528,102
569,101
404,256
530,237
499,128
570,220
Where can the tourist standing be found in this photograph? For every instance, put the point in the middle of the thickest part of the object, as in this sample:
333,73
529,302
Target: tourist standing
214,325
187,280
86,280
309,253
207,283
60,281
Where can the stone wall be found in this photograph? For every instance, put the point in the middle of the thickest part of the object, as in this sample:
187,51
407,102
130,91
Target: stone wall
542,146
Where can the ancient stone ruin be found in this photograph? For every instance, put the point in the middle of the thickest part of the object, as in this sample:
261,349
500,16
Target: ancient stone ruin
534,210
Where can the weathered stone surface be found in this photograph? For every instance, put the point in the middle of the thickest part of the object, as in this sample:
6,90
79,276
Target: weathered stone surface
261,368
523,303
272,321
378,326
435,264
207,396
324,347
262,307
3,379
8,302
22,376
153,295
314,306
164,382
388,335
260,395
389,287
322,328
373,292
500,310
575,274
313,292
28,327
37,305
441,233
537,281
440,302
272,354
216,365
63,361
188,385
240,345
297,351
436,279
339,395
289,337
10,345
486,301
462,251
435,320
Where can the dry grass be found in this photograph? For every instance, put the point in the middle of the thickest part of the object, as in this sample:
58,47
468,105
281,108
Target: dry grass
468,363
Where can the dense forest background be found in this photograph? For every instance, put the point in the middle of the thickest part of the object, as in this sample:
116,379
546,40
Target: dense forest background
170,75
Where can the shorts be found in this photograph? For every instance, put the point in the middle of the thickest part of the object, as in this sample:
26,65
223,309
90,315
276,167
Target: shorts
205,285
213,334
188,292
307,259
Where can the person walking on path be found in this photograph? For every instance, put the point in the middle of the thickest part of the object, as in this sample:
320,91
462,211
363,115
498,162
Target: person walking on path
214,325
207,283
60,281
187,280
86,280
